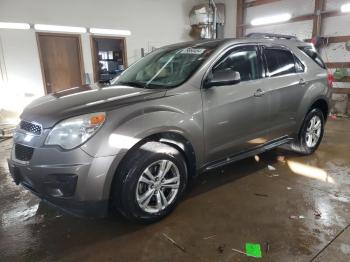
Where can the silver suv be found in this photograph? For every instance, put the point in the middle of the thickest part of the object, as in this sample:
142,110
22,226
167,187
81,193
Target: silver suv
132,147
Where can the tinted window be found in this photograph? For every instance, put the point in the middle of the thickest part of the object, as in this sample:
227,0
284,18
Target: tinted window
299,66
243,60
279,61
313,55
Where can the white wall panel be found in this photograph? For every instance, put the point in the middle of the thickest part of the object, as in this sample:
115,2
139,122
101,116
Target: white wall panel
302,30
22,66
294,7
230,18
335,4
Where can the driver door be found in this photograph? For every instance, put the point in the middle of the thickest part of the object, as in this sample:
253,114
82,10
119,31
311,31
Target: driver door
236,117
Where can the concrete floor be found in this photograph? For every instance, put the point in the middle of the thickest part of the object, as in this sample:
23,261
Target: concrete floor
243,202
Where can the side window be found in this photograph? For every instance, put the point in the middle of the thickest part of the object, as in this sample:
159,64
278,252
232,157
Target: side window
299,66
279,62
312,53
243,60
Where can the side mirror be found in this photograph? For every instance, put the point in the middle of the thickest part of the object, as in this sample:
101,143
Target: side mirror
223,78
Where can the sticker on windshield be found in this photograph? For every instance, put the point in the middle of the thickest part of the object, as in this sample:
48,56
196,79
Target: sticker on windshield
193,51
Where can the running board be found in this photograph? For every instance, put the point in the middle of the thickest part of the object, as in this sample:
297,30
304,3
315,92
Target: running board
246,154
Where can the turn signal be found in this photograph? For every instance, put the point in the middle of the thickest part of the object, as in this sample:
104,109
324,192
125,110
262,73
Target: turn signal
98,119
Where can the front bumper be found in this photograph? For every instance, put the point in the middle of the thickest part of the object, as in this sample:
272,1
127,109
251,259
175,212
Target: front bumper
71,180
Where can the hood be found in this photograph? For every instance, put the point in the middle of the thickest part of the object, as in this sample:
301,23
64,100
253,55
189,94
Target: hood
50,109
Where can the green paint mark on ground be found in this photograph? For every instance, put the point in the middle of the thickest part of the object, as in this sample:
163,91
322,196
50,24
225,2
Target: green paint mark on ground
253,250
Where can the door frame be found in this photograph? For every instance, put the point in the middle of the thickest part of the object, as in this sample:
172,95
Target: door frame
80,55
94,56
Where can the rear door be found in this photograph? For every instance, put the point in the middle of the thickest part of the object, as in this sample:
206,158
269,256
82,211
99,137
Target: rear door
286,85
236,116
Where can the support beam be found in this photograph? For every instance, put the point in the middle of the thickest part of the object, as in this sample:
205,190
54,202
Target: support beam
317,19
338,39
259,2
240,19
334,13
338,65
345,79
345,90
334,39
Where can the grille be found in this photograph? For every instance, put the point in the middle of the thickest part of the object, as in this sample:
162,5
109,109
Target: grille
23,153
30,127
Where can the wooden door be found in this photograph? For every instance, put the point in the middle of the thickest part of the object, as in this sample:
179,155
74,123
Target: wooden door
61,61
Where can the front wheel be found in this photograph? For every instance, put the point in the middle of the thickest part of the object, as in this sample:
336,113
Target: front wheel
150,183
311,133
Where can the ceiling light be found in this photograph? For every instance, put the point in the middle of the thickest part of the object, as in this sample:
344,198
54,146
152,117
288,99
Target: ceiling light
58,28
271,19
5,25
103,31
345,8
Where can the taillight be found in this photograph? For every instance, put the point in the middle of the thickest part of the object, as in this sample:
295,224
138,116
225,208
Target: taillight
330,80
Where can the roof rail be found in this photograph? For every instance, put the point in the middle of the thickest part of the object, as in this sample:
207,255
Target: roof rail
267,35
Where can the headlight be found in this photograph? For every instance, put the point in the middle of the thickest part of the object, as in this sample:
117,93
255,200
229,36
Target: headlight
74,131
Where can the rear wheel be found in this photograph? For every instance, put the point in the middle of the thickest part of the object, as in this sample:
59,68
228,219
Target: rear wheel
150,183
311,133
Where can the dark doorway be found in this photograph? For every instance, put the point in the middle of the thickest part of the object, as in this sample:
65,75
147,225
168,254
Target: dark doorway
61,61
109,57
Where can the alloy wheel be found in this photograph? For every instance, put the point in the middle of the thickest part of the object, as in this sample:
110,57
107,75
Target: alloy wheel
158,186
313,131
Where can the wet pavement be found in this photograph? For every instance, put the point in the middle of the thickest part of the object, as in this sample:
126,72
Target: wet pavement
298,212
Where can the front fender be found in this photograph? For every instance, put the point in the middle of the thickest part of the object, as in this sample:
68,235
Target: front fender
128,133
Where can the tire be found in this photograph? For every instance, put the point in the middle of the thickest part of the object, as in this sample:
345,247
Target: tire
302,145
133,185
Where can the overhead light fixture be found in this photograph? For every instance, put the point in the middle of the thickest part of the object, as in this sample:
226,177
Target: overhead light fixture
345,8
23,26
59,28
271,19
102,31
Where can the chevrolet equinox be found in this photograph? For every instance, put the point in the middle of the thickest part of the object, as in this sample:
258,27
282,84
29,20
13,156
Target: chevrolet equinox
133,146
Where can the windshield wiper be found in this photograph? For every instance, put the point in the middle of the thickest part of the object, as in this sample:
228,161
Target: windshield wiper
139,84
132,83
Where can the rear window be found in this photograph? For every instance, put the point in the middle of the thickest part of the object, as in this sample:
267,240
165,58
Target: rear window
313,55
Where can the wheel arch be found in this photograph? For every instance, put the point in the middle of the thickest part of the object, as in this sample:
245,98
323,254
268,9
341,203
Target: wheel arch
321,104
178,141
173,139
307,105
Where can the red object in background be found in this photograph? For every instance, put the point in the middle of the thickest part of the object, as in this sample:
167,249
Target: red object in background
333,117
319,41
314,41
330,80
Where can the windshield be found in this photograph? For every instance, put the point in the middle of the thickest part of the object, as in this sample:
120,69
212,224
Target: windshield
165,68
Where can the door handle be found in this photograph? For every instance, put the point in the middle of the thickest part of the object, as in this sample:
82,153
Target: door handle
259,93
302,82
